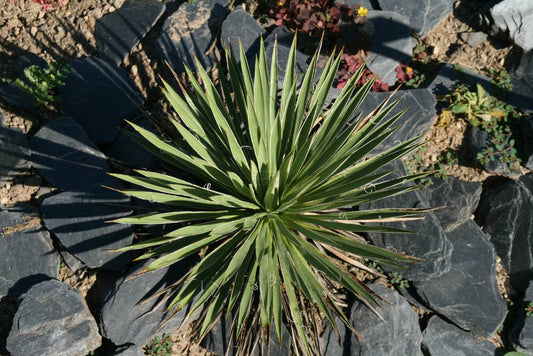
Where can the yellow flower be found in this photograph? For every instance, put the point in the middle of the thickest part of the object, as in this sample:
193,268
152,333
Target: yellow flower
408,70
362,11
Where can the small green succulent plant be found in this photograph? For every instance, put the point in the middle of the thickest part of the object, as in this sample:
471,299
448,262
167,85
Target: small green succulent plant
159,346
272,207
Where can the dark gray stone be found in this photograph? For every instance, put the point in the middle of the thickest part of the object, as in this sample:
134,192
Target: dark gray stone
130,350
219,340
99,96
79,219
521,333
473,38
390,39
124,322
53,319
14,152
129,152
240,26
468,293
522,93
64,156
515,17
444,339
367,4
481,140
427,241
523,65
420,105
28,256
506,212
190,32
448,76
423,15
398,334
526,143
119,32
458,198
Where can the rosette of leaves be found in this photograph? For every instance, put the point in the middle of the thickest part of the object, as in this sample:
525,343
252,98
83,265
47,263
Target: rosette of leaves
277,225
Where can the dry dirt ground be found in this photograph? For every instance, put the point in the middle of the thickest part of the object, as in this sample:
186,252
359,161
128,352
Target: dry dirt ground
66,32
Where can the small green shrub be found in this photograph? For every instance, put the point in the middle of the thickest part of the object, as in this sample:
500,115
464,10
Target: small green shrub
270,206
398,280
529,309
43,83
159,346
417,163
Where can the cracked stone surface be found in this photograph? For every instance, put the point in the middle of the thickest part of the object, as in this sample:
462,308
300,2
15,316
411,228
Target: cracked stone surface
506,212
398,334
516,18
444,339
28,256
423,15
119,32
53,319
63,154
468,293
458,198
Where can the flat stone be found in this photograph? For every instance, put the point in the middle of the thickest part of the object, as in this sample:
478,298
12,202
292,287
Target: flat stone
15,153
398,334
516,18
473,38
525,151
53,319
448,76
506,212
99,96
522,93
119,32
423,15
79,219
521,334
523,65
444,339
420,105
240,26
468,293
124,322
63,154
459,199
130,350
129,152
390,39
190,32
28,256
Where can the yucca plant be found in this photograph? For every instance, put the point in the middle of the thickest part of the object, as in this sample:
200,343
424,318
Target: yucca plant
273,209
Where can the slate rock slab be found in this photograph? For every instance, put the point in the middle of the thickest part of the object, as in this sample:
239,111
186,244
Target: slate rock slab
444,339
398,334
420,105
521,333
119,32
28,256
481,140
99,96
14,152
390,39
240,26
53,319
63,154
423,15
79,219
506,212
124,322
129,152
468,293
130,350
444,81
190,32
525,151
428,241
459,199
522,94
516,18
523,65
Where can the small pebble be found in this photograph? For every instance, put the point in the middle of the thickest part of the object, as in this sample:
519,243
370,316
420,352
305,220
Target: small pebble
33,30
